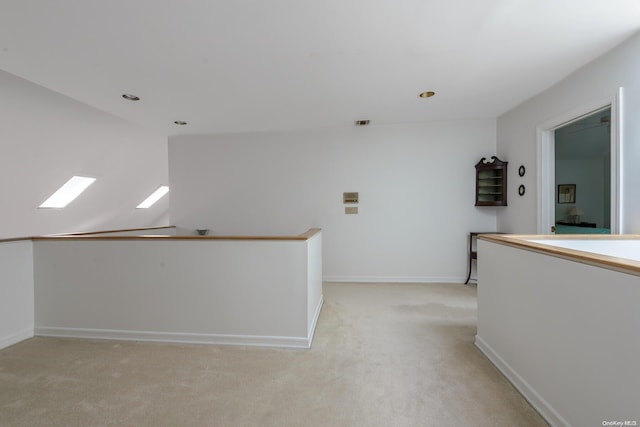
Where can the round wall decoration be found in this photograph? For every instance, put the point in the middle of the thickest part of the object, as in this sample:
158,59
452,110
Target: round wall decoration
521,170
521,190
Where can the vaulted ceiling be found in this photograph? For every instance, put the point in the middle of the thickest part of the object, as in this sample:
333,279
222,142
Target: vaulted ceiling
249,65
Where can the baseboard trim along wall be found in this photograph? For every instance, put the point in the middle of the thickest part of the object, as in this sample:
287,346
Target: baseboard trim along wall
312,329
16,338
529,393
172,337
393,279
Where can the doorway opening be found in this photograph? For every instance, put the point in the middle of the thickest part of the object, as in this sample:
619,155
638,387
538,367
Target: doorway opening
582,155
563,203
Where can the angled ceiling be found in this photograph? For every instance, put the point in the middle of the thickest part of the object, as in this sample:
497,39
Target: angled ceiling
230,66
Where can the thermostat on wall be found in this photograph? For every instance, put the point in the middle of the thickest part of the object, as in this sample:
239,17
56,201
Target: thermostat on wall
350,197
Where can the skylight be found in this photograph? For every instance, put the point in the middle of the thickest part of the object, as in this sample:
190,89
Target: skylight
157,195
69,191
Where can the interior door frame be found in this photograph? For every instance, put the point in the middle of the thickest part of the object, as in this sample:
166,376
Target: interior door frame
546,160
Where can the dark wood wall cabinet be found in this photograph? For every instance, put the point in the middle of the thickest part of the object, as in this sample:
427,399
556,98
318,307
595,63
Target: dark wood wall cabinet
491,182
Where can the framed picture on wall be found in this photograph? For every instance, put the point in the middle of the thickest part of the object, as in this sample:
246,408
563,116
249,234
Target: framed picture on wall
566,193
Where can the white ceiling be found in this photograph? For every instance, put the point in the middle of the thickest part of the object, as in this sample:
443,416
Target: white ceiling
250,65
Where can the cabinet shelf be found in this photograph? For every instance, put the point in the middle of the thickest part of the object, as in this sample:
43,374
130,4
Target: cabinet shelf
491,182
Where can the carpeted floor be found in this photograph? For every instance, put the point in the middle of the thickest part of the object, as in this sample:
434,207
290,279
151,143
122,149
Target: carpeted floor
383,355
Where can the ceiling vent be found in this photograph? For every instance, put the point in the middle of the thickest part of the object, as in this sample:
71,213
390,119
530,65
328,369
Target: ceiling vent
130,97
361,122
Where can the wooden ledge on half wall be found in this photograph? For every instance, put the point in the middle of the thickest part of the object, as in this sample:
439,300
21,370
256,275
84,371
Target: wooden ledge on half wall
93,236
534,243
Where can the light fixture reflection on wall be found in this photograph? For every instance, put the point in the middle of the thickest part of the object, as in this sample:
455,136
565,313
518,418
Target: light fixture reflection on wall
154,197
69,191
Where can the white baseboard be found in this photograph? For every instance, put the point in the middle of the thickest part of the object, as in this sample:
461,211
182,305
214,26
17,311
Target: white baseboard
314,322
16,338
529,393
184,338
172,337
393,279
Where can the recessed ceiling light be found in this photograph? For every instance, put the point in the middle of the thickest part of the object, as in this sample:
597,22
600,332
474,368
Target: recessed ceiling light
131,97
180,122
428,94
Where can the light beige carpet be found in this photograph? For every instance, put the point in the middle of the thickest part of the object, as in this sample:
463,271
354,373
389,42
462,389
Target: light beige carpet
383,355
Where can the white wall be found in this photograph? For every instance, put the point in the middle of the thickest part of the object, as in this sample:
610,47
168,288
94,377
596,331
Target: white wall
250,292
416,185
45,138
516,132
16,292
564,333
